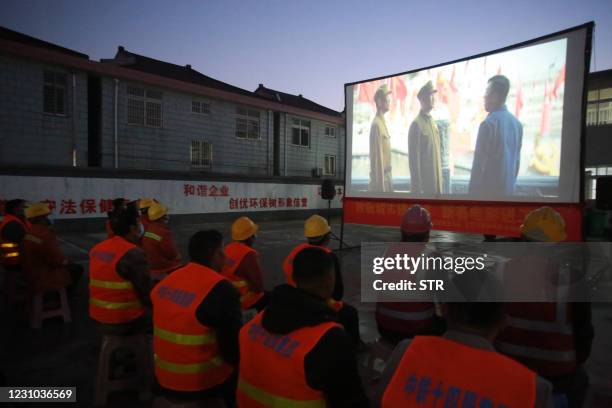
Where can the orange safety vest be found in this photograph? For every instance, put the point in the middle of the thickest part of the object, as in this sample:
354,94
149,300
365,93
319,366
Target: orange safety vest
539,334
155,239
10,252
235,253
288,269
112,299
408,318
436,372
272,366
187,356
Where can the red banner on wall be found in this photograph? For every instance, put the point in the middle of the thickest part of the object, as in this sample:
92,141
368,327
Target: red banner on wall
502,219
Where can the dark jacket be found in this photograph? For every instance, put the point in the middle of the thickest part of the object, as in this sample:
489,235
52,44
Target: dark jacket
331,365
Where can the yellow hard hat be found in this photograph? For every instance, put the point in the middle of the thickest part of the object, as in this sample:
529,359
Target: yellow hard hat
243,228
544,224
145,203
37,210
156,211
316,226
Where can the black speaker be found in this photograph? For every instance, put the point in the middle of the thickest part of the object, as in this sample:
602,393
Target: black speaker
328,189
603,193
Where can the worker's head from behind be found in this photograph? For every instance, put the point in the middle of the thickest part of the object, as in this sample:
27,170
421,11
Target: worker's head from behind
313,271
426,97
543,225
206,248
126,223
416,224
158,212
498,87
15,207
381,99
317,230
244,230
119,204
144,204
38,213
484,318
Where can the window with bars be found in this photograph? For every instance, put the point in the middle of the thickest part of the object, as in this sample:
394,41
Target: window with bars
330,131
300,132
247,123
200,154
144,107
200,107
54,92
330,165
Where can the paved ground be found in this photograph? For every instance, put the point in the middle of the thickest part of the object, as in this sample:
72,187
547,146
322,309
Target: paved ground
67,354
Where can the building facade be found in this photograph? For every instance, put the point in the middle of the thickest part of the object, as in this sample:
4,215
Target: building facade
59,108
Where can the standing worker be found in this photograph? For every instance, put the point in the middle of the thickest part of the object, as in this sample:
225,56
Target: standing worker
158,242
13,228
119,204
294,353
397,321
381,179
143,206
242,265
317,231
552,338
424,148
196,318
119,282
44,265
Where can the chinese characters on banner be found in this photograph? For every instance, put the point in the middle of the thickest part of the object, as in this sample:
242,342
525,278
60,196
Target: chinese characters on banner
73,197
481,218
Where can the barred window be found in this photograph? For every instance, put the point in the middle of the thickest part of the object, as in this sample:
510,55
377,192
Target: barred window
200,107
300,133
247,123
330,165
330,131
144,107
200,154
54,92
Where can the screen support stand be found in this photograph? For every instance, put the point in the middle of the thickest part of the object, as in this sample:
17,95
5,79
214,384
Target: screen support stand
341,244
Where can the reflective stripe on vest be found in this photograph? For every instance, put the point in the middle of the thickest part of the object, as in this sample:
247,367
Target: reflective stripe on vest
448,365
185,339
110,285
9,251
536,353
270,400
152,235
195,368
9,245
114,305
401,315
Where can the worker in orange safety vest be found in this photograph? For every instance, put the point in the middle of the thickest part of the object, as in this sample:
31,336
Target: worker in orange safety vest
294,353
461,368
159,244
318,233
397,321
552,338
242,266
196,318
13,229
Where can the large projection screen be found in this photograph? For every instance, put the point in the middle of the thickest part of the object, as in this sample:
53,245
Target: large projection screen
501,126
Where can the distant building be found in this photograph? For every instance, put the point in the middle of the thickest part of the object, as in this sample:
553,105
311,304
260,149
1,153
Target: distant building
598,158
59,108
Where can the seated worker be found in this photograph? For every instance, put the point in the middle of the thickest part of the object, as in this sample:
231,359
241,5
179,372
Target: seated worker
397,321
461,368
44,265
242,266
552,338
143,206
158,243
196,318
317,231
294,352
13,229
119,282
119,204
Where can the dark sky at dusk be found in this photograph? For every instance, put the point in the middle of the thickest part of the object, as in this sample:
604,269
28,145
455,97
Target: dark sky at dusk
308,47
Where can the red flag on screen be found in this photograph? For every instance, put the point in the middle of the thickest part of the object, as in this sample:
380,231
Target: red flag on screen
545,123
559,81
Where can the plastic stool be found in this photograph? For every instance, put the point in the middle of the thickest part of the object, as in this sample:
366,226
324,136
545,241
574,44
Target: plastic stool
38,312
140,345
165,402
